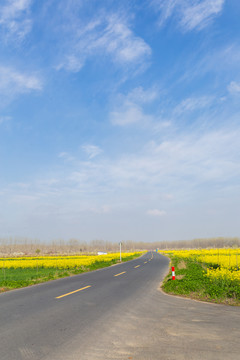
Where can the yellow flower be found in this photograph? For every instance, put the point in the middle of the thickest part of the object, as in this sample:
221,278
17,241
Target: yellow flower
59,262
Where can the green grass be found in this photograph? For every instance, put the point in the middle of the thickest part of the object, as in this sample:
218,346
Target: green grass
192,282
17,278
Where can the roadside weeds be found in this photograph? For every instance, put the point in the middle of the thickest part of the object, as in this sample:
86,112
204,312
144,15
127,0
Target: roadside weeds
192,283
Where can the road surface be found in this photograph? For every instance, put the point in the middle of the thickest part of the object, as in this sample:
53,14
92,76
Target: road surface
115,313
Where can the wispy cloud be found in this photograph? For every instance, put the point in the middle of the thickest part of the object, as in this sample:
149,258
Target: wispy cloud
66,156
192,104
128,114
130,108
14,17
197,16
141,96
234,88
181,162
106,35
190,14
219,61
13,83
133,108
184,167
156,212
92,150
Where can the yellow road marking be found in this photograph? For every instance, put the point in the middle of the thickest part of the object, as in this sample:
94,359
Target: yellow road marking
72,292
145,262
136,266
120,273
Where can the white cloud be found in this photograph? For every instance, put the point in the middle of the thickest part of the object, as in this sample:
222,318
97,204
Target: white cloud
191,14
195,167
198,16
218,61
206,157
120,41
71,63
129,109
106,35
14,17
192,104
182,162
234,87
18,82
92,150
13,83
141,96
177,164
66,156
156,212
165,7
129,114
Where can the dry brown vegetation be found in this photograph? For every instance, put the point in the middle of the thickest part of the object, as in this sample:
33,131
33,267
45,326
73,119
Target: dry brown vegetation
24,246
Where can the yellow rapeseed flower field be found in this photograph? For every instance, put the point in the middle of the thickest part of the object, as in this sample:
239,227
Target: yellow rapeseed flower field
59,262
220,263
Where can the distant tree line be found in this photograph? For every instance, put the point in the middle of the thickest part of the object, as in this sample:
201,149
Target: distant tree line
25,246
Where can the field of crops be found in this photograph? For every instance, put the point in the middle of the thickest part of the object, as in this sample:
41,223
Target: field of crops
60,262
24,271
210,274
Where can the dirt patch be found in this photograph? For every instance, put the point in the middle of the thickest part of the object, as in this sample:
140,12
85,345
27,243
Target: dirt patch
182,265
204,266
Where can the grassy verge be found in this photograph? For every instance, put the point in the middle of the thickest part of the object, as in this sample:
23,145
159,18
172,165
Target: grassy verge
21,277
191,281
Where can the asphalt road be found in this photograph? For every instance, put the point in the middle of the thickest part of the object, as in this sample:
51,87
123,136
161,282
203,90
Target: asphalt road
115,313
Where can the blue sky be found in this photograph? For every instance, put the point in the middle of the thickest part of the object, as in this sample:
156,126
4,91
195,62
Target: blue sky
119,120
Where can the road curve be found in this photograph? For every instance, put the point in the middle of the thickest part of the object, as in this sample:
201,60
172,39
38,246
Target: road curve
114,313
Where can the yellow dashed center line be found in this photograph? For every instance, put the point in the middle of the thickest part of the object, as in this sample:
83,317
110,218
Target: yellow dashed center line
120,273
72,292
145,262
136,266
